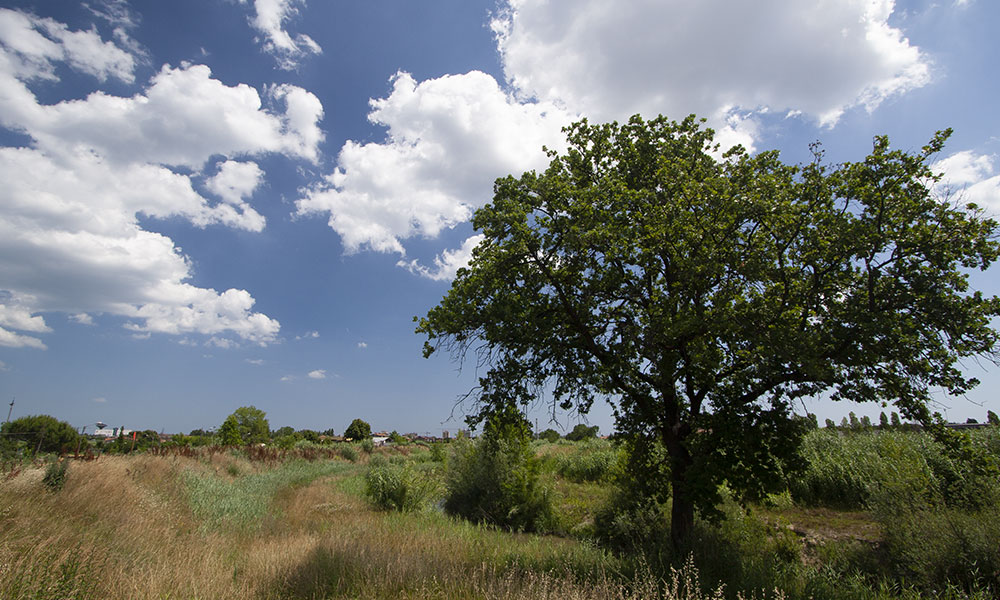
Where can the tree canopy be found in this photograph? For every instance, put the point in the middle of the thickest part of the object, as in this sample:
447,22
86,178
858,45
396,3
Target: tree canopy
358,430
702,294
246,425
40,432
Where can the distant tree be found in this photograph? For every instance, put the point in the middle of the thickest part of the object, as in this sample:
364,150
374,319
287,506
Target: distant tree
199,433
549,435
866,422
582,432
308,434
41,433
398,439
813,420
830,424
883,421
328,432
894,419
971,421
358,430
229,433
992,418
282,431
844,424
855,423
251,425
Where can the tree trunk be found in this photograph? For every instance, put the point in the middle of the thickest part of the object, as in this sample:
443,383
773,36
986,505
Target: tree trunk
681,505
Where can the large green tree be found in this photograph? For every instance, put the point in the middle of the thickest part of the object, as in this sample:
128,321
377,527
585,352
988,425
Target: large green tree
701,294
358,430
40,432
246,425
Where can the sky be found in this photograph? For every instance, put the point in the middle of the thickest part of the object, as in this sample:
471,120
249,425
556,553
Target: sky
208,204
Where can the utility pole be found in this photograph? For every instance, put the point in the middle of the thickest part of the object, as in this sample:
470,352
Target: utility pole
11,408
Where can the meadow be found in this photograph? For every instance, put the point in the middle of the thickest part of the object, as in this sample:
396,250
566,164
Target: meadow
875,514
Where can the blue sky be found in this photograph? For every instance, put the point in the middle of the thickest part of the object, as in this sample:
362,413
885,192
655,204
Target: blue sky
215,203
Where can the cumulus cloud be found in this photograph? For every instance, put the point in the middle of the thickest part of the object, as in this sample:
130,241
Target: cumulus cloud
446,264
970,177
31,47
710,57
269,18
317,374
72,200
447,140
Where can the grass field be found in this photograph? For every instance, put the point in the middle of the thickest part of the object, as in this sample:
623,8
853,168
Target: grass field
228,524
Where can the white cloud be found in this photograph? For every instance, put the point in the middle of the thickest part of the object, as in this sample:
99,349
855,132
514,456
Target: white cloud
183,118
71,202
82,318
31,45
255,361
969,177
3,366
446,264
709,57
448,139
288,378
269,18
16,340
362,345
308,335
317,374
100,400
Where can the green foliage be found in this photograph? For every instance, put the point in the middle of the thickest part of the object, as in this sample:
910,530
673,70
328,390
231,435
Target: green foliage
865,469
358,430
935,548
40,432
282,432
349,452
438,453
704,294
398,439
391,486
598,462
495,479
582,432
229,433
367,445
55,475
246,425
549,435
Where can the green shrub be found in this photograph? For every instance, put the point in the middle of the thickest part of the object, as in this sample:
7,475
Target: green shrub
495,479
597,462
367,445
390,486
55,475
935,548
438,453
349,452
496,482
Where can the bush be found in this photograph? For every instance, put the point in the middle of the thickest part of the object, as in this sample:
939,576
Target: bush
55,475
937,548
392,486
349,452
367,445
497,484
41,432
494,479
597,462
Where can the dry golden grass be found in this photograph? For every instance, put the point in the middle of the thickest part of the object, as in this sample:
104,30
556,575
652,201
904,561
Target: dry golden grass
122,528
